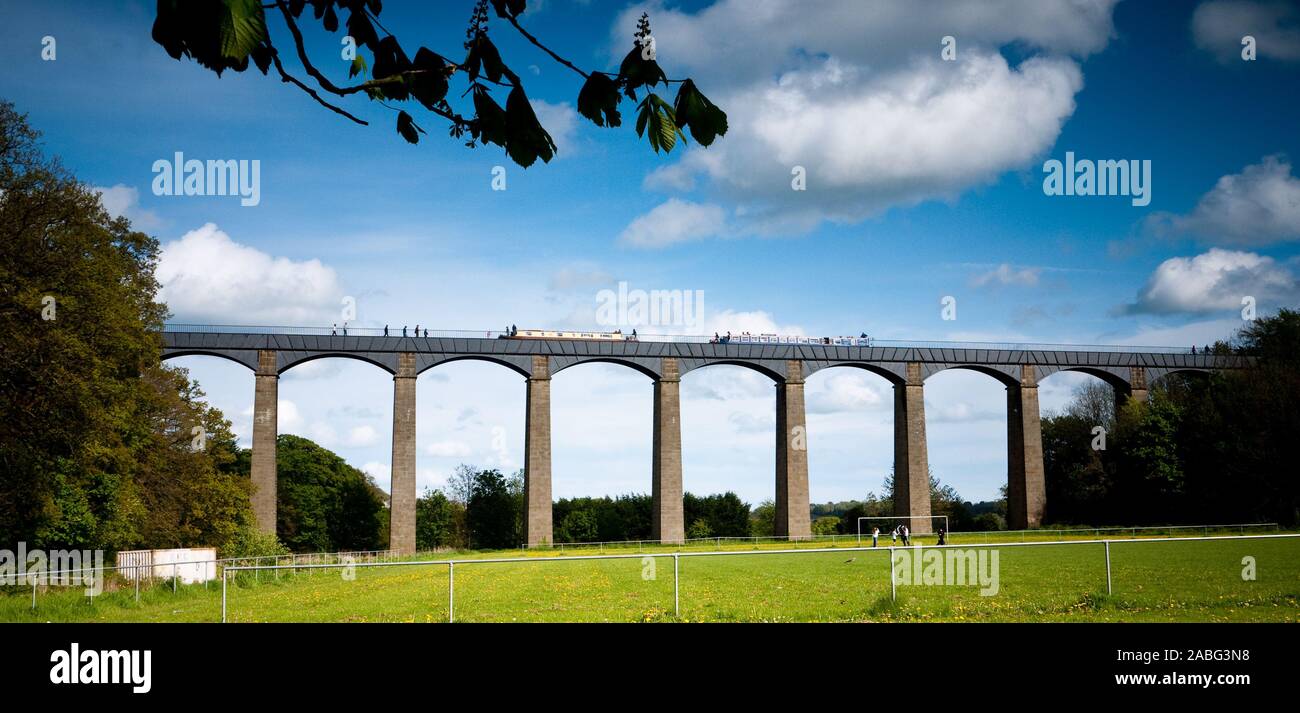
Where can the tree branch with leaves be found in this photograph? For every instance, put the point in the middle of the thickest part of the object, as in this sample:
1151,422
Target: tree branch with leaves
228,34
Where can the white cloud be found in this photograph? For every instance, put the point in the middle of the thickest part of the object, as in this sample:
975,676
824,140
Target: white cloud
737,42
960,412
287,418
578,276
846,392
1006,275
868,141
560,121
1219,25
315,369
207,277
1213,281
746,422
123,201
1203,333
856,94
450,449
674,221
382,473
1259,206
362,436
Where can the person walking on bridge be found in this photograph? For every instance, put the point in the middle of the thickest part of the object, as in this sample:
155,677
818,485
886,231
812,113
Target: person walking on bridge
385,330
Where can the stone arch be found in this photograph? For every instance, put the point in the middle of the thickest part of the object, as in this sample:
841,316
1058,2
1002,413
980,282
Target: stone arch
894,377
292,359
770,371
640,365
518,364
1007,375
1117,382
248,359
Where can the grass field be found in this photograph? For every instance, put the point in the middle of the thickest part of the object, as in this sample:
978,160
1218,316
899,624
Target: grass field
1152,581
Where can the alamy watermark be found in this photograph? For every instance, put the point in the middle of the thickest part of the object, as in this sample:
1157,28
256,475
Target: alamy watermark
950,567
1085,177
64,568
214,177
656,308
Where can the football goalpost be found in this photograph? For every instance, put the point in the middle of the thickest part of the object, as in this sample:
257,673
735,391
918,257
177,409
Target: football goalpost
891,521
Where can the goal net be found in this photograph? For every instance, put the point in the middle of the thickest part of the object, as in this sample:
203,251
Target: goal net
916,524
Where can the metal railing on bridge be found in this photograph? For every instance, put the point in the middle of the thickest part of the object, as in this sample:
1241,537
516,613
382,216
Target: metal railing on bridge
423,333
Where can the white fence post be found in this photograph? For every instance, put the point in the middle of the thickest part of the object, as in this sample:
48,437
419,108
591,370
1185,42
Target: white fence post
451,592
893,581
1108,587
677,606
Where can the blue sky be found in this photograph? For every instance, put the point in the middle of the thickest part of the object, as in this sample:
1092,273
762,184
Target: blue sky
924,181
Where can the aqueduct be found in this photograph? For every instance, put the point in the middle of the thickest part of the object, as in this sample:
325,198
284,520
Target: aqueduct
269,352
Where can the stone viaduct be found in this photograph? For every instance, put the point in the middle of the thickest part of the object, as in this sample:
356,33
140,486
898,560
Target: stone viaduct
271,352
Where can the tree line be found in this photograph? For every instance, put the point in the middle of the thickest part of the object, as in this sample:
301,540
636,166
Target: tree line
1205,449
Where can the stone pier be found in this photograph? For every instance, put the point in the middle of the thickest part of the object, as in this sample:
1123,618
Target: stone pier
667,520
792,510
911,461
265,409
401,512
537,455
1026,491
1137,389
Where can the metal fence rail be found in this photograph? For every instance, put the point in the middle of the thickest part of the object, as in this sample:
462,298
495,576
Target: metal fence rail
355,331
963,535
47,577
451,564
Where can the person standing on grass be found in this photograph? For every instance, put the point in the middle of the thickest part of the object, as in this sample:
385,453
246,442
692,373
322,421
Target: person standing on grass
875,536
943,539
903,531
893,536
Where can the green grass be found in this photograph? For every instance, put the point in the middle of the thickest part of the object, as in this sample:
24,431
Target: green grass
1153,581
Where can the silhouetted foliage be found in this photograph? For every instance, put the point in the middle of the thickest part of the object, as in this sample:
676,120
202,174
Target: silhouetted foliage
225,35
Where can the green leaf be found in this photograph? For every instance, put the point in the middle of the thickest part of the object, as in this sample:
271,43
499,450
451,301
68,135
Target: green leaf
598,101
694,110
429,83
358,66
361,30
407,128
637,72
658,124
491,126
390,60
526,139
484,58
218,34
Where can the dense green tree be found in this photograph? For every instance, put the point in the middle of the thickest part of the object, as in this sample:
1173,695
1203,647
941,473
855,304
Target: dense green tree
493,512
187,478
436,519
762,521
827,525
1077,481
578,526
725,515
97,447
1204,449
324,504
